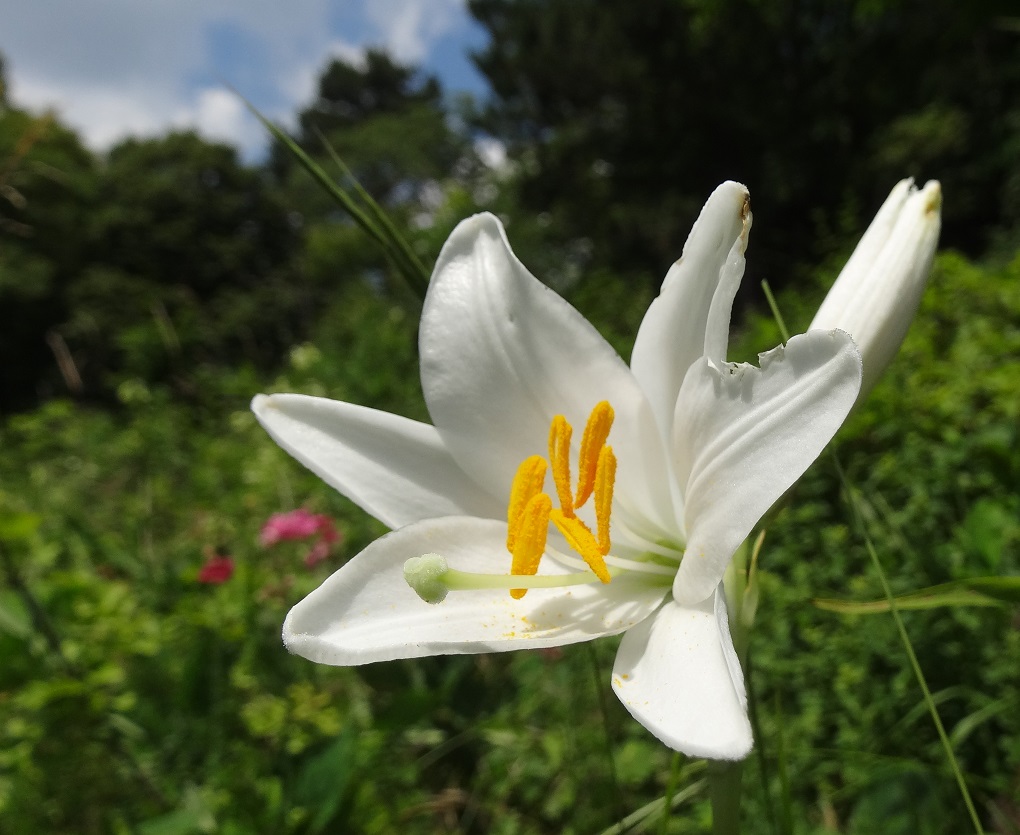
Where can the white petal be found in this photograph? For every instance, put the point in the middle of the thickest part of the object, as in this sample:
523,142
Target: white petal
878,292
366,612
678,675
744,436
502,354
394,468
678,327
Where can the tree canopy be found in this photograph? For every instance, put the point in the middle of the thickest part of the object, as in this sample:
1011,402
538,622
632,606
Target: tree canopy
628,114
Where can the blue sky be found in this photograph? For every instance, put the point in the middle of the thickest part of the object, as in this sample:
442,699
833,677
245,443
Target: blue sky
113,68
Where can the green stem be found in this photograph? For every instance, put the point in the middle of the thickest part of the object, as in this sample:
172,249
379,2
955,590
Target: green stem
774,307
724,782
909,647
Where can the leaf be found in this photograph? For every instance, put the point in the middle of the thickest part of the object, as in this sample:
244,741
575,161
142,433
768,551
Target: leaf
14,617
323,782
392,243
19,526
976,591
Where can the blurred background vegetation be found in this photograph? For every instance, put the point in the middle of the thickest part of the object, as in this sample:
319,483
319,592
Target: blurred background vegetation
148,292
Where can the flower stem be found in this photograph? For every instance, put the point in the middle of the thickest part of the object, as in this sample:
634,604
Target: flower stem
724,783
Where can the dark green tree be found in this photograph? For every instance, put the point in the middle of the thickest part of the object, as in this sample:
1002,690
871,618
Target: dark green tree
387,122
190,261
47,183
626,115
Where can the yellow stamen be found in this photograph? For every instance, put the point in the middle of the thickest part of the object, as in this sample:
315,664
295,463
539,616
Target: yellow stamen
527,484
581,539
530,541
559,456
605,477
596,432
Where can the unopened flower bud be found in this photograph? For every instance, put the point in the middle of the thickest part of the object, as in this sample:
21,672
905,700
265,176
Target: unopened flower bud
875,297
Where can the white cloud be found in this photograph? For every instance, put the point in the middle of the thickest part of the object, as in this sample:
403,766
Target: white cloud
409,26
220,114
114,68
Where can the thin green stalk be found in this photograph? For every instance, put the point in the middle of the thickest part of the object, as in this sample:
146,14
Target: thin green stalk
667,799
909,647
393,246
784,774
377,211
759,748
647,812
607,735
771,299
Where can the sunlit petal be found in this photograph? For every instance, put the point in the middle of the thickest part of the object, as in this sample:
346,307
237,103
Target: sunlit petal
394,468
677,674
673,333
501,354
744,435
366,612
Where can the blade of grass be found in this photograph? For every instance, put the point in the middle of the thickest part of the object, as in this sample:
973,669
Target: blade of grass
771,299
647,814
908,646
377,212
392,246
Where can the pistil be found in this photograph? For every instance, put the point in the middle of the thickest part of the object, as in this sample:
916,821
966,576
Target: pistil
432,579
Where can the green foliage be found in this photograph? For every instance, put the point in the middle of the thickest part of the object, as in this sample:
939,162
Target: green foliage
134,698
47,180
145,701
627,114
366,114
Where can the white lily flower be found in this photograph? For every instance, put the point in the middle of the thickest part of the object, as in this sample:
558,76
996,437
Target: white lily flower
876,295
701,448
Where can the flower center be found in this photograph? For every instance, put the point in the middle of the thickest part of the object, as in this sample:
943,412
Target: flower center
531,510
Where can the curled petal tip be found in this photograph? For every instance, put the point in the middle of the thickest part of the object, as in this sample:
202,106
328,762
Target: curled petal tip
933,193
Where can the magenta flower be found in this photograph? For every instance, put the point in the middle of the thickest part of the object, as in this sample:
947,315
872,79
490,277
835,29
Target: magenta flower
301,524
217,569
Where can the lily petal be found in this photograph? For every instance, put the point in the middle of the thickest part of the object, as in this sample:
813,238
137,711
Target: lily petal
879,290
676,329
394,468
366,612
743,436
678,675
502,354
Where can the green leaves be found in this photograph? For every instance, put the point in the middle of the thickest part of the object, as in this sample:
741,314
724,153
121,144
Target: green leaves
978,591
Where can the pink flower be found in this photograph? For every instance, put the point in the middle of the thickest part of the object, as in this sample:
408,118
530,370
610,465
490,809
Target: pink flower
217,569
301,524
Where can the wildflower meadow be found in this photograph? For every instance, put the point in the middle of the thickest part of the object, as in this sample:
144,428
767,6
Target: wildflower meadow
658,473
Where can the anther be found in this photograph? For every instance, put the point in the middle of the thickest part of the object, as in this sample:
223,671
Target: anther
596,433
529,544
559,456
527,484
605,477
